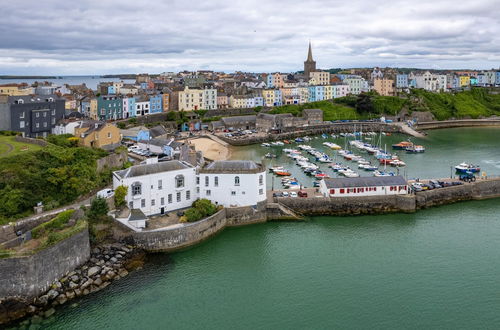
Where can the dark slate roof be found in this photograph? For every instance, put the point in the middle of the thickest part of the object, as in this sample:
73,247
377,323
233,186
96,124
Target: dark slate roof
146,169
233,166
365,182
33,98
137,214
239,119
157,131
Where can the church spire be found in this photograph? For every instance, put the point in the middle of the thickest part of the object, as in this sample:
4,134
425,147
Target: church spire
310,53
309,64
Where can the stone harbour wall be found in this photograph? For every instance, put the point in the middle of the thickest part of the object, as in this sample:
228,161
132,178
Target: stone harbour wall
458,123
294,132
30,276
349,205
181,235
477,190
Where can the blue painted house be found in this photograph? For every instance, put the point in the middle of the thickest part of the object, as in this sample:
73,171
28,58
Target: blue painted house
320,93
402,81
136,134
278,98
155,103
259,101
497,78
312,94
111,89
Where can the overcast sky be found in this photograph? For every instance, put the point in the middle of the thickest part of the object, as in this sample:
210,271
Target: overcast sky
132,36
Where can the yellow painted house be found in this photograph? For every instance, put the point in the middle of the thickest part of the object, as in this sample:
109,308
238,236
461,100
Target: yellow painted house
464,81
98,134
269,97
328,92
93,109
16,90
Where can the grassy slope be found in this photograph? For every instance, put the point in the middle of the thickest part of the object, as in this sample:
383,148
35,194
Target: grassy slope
468,104
474,104
18,146
331,111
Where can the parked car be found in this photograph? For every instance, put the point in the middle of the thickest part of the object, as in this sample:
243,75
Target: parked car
435,184
105,193
302,193
293,194
286,194
278,194
417,186
132,148
428,186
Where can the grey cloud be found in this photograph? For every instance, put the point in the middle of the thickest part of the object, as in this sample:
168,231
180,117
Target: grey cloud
90,36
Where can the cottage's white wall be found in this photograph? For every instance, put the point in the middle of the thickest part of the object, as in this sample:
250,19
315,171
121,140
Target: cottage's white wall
248,192
380,190
150,191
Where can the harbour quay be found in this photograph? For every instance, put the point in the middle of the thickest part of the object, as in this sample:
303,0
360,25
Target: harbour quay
317,204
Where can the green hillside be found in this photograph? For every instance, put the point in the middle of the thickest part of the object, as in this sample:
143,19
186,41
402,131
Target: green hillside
475,103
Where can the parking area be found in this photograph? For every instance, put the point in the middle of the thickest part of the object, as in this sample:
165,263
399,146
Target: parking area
431,184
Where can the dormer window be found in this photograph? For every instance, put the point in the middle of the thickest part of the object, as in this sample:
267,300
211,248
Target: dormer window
20,101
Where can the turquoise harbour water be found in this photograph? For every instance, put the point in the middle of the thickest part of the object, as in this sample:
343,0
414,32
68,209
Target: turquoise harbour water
435,269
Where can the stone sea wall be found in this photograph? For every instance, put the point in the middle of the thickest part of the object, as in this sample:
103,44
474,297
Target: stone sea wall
477,190
184,235
32,275
458,123
293,132
349,205
180,235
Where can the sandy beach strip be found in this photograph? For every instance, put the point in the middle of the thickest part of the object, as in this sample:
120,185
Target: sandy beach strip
211,149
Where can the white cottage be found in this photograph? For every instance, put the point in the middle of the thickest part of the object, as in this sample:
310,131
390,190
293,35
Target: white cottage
233,183
158,188
364,186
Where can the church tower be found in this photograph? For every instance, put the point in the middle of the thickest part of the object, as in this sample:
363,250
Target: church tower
309,64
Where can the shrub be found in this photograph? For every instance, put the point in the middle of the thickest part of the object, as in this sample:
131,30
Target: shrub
120,193
121,125
132,121
63,140
205,207
98,208
201,208
58,223
193,215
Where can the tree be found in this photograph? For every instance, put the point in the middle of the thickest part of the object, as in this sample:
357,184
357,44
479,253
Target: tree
98,208
120,193
171,116
121,125
364,103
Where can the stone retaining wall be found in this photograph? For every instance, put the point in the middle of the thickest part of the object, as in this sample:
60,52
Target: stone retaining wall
30,276
184,235
478,190
292,132
115,160
349,205
458,123
180,236
39,142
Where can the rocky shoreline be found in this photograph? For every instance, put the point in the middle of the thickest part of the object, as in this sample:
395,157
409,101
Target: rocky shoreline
107,263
